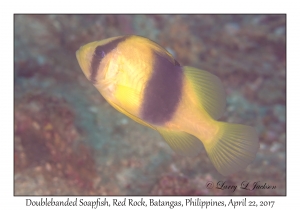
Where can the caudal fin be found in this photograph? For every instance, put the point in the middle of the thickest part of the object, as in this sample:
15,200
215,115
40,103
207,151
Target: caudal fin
233,148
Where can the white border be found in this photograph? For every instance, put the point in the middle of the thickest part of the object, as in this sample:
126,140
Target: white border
6,111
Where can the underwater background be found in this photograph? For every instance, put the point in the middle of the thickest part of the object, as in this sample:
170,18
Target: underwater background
69,141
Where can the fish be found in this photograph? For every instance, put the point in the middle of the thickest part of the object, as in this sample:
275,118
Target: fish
142,80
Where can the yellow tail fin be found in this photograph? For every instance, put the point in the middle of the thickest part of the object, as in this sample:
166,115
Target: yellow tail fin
233,148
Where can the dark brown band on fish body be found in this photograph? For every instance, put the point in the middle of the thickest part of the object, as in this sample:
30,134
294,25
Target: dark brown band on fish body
176,63
100,53
163,91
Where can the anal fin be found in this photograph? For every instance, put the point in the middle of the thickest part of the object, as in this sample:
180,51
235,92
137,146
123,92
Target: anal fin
181,142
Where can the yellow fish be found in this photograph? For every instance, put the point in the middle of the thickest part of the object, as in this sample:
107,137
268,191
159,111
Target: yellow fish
142,80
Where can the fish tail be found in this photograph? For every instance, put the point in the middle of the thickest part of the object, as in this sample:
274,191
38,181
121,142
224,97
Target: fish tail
232,148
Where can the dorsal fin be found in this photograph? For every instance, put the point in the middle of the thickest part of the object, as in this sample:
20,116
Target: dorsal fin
209,89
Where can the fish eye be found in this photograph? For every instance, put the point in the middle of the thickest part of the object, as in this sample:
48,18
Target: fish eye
99,52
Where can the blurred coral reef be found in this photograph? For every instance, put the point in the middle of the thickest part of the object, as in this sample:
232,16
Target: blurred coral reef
69,141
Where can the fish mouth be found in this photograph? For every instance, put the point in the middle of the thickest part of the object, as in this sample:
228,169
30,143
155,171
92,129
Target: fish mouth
78,57
83,61
77,54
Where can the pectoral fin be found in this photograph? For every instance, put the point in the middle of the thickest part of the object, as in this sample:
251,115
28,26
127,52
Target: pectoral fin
130,115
